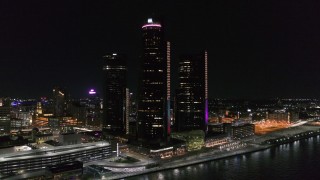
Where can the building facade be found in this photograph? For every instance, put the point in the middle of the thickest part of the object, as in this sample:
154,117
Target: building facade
242,130
5,120
93,109
115,72
192,93
154,90
59,102
41,158
289,117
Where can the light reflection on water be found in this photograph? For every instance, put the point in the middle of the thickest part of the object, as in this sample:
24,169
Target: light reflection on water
298,160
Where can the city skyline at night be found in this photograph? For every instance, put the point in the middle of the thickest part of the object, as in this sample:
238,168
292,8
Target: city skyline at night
161,89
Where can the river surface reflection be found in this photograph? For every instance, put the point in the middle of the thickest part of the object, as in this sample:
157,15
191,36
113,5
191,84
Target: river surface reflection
297,160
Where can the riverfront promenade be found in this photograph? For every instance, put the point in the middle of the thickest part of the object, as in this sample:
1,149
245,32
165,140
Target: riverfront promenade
254,144
215,154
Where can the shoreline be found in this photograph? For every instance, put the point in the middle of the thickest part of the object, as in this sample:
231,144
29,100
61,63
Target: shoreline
205,157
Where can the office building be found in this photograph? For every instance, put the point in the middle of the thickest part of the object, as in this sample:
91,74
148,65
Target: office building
20,119
4,117
239,129
154,91
289,117
215,128
192,93
242,130
115,72
59,102
93,107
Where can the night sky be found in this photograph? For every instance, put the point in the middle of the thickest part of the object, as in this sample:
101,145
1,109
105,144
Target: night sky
256,49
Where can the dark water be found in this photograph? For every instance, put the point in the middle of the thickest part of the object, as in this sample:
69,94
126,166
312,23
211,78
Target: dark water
299,160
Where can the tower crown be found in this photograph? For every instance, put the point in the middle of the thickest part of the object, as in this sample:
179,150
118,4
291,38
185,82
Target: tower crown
151,23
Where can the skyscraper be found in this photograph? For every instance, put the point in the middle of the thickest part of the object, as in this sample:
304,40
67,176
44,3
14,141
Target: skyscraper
59,102
115,72
192,93
154,92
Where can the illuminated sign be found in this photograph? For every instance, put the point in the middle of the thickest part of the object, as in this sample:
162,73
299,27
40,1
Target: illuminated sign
92,91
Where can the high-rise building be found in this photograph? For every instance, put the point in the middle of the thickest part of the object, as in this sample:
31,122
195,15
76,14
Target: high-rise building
115,72
93,106
192,93
59,102
154,93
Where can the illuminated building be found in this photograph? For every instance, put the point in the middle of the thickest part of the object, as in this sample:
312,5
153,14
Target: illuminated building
59,102
93,116
39,108
132,121
192,93
283,116
20,119
41,158
242,130
55,122
4,117
154,94
115,71
215,128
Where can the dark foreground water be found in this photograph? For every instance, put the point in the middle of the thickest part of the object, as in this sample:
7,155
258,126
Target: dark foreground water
299,160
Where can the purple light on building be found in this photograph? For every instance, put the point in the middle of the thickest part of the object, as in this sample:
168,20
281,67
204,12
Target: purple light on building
151,25
14,103
206,112
92,91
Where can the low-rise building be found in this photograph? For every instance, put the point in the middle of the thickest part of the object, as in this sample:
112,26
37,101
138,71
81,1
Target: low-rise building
41,158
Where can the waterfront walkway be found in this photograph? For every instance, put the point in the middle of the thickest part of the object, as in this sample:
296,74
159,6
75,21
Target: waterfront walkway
254,144
215,154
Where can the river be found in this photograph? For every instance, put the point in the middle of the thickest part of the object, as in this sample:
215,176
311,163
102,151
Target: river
297,160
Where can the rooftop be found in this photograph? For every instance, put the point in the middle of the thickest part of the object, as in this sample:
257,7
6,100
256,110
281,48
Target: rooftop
58,150
151,23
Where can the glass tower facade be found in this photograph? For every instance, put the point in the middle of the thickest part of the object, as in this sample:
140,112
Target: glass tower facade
115,72
153,90
191,95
